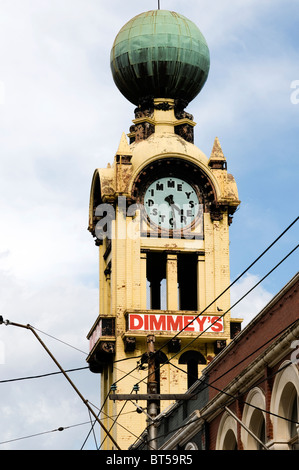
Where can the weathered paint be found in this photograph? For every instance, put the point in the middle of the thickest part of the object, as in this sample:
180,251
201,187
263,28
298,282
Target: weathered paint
160,53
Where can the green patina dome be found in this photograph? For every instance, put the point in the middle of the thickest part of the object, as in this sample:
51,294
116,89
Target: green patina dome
160,54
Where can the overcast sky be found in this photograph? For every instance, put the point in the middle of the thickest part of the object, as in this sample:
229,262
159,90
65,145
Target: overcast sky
61,117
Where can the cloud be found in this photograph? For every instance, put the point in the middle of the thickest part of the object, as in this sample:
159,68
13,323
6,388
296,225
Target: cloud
62,313
253,303
61,117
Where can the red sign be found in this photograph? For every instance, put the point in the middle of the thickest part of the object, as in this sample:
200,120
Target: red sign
96,334
163,322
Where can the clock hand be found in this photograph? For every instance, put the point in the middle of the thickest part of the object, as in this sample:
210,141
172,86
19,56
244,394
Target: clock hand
176,208
169,199
172,205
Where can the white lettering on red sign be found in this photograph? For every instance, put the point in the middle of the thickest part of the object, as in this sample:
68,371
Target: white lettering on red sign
145,322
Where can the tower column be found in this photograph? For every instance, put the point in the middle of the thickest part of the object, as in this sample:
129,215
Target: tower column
201,283
172,281
143,261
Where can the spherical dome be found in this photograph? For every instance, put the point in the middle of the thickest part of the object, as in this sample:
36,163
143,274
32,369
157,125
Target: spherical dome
160,54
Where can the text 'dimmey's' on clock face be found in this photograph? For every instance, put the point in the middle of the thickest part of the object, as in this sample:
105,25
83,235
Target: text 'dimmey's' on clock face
171,203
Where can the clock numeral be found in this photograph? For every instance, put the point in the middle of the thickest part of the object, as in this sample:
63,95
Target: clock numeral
183,219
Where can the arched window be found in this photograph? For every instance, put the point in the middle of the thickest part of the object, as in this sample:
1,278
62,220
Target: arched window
227,433
192,359
255,420
294,428
230,441
284,404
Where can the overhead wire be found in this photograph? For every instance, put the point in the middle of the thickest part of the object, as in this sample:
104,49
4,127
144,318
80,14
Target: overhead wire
221,316
61,428
250,290
278,264
227,288
49,374
209,384
42,433
61,341
234,397
115,422
238,278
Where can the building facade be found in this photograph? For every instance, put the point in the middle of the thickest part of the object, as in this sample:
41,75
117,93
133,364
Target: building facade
160,217
247,397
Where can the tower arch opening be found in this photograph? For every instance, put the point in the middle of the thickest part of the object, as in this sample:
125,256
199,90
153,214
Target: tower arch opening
192,359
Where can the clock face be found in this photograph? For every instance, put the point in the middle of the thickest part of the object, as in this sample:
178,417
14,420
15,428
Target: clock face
171,203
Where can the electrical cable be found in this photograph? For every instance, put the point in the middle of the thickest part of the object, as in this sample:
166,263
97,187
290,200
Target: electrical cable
276,335
30,328
221,316
237,279
42,433
112,418
243,393
62,428
235,398
201,381
49,374
114,422
242,360
259,257
60,341
94,436
194,318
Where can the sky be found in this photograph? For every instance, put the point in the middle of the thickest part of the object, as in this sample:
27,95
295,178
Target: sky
61,117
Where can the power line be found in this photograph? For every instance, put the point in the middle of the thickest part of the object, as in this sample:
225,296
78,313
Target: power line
250,290
42,433
243,359
114,422
221,316
236,303
49,374
236,280
29,327
235,398
207,384
60,429
32,328
109,417
278,264
63,342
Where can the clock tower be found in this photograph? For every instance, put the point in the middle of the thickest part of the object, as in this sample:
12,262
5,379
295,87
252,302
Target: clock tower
160,216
